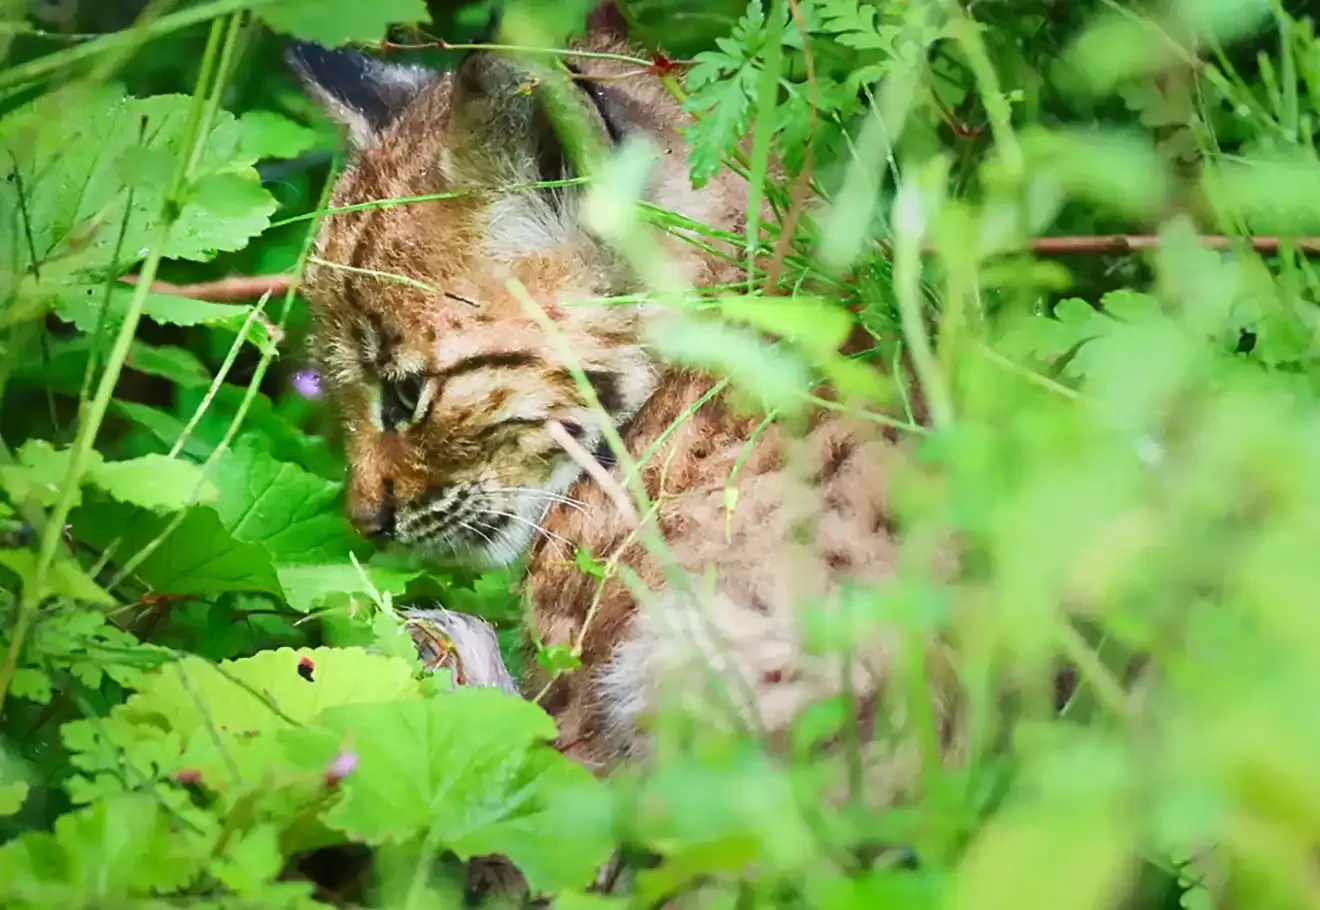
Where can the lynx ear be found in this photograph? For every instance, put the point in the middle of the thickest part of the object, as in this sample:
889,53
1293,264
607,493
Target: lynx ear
360,92
501,130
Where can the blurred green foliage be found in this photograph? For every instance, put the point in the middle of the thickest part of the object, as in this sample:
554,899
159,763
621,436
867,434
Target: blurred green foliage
1123,443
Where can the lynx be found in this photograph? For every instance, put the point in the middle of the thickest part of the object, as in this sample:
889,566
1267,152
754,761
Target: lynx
449,389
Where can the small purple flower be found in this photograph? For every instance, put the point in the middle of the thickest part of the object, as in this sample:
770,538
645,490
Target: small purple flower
307,383
342,766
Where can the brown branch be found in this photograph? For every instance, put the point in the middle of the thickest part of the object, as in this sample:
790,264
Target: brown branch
252,287
226,290
1137,243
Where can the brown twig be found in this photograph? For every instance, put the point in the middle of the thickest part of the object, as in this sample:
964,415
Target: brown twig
226,290
1137,243
251,287
611,486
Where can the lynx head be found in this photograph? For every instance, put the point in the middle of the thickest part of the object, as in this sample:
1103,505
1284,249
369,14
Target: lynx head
443,376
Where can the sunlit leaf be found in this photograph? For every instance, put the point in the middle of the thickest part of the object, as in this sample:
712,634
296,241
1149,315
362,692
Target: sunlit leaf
334,22
474,763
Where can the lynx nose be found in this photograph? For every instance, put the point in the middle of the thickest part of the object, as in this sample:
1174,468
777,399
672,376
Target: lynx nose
376,523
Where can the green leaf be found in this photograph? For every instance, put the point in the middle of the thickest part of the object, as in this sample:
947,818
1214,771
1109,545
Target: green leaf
220,212
252,861
225,726
86,645
33,684
1115,47
780,380
64,578
296,516
266,134
81,305
12,797
1279,192
153,481
1047,337
858,381
474,763
199,557
166,428
1114,170
557,659
339,22
99,855
587,564
40,472
1224,20
817,325
311,586
725,109
84,153
224,696
179,365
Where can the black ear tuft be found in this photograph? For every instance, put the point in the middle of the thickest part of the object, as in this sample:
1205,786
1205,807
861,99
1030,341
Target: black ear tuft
360,92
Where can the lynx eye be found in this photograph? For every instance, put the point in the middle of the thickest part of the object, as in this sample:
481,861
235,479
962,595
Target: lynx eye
399,400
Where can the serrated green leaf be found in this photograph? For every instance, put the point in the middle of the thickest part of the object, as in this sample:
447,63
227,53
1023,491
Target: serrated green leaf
476,759
32,684
154,482
100,855
295,515
86,645
220,212
40,472
224,722
81,305
199,557
75,149
725,109
1044,337
252,861
224,696
332,23
265,135
64,578
311,586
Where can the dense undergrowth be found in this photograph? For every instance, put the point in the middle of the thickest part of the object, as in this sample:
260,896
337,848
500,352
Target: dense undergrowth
205,674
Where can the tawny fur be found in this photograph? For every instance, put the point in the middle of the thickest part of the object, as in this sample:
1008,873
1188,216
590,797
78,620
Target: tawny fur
811,515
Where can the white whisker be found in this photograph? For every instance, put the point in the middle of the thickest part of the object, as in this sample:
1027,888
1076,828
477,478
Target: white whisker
543,494
468,526
531,524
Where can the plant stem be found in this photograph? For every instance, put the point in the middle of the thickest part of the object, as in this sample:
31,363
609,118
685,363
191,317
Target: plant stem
767,102
34,69
93,414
